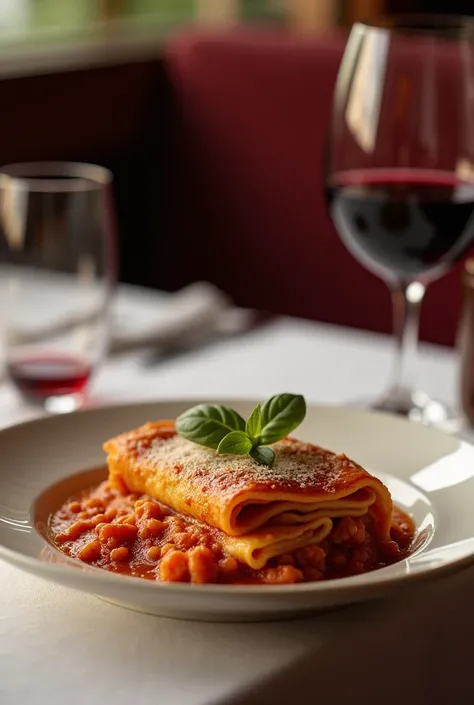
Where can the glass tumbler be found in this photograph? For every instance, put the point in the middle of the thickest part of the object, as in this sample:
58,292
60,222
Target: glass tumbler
57,273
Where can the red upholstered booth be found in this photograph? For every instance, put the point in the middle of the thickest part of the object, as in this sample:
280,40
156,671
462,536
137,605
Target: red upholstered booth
248,211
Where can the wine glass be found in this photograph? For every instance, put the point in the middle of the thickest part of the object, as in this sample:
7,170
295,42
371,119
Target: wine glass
57,271
400,170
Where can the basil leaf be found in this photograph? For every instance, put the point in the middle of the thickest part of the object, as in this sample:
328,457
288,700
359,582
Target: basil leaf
253,427
208,424
223,429
235,443
263,455
280,415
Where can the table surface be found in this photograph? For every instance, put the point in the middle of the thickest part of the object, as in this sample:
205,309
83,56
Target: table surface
58,645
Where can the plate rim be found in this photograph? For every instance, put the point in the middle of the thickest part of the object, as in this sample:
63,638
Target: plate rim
351,584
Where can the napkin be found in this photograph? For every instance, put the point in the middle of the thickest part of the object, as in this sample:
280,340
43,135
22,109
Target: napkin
417,650
184,319
139,318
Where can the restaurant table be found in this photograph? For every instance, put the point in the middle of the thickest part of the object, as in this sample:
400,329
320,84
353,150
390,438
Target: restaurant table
59,646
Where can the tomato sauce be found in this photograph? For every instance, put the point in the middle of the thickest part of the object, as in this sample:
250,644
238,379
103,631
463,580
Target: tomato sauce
136,535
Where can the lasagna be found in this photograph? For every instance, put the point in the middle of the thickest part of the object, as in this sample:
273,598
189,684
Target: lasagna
172,510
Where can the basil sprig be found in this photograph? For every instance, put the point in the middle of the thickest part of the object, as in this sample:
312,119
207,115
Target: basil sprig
223,429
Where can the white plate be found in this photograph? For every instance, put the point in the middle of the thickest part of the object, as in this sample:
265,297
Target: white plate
430,475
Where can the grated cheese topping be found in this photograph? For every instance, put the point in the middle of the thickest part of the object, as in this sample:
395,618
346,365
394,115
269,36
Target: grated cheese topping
296,465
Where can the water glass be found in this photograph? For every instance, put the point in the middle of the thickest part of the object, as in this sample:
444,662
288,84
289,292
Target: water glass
57,272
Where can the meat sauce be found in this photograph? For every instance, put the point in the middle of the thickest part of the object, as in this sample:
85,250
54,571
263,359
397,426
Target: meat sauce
138,536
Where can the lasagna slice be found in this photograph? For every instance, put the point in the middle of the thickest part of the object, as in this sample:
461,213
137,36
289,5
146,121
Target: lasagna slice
259,512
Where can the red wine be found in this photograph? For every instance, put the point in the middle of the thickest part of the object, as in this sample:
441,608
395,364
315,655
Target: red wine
403,223
39,377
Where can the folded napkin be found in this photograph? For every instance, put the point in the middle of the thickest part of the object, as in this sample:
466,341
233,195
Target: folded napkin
140,317
190,316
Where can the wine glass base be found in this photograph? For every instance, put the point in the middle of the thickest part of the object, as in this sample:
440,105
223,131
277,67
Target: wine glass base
416,406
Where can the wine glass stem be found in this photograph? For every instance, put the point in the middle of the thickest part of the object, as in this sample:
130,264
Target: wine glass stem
406,302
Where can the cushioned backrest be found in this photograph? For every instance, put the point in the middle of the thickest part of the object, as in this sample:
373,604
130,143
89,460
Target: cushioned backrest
254,110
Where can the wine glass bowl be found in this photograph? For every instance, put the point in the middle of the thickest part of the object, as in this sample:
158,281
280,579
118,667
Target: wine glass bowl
400,169
57,272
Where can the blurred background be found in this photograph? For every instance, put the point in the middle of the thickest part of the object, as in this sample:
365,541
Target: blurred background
30,19
212,115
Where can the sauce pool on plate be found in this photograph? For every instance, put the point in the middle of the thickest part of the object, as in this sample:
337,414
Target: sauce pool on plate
135,535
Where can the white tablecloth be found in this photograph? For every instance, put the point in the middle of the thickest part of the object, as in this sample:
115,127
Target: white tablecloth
58,646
